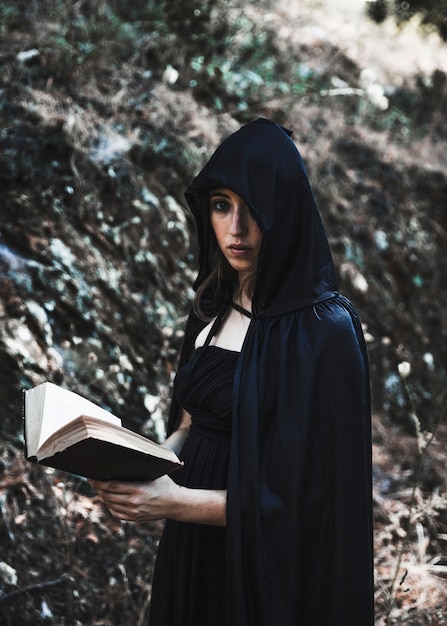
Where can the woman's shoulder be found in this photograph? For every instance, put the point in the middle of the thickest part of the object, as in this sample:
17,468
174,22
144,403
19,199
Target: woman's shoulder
331,323
203,334
339,328
335,313
230,334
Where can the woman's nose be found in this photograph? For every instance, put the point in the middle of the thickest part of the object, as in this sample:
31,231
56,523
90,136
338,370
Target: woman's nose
238,221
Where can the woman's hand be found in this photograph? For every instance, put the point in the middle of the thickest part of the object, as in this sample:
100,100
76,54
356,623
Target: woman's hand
162,498
140,501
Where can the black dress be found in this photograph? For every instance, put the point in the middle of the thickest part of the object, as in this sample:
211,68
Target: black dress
189,580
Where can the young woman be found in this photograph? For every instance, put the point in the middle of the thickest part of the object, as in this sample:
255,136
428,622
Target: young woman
269,522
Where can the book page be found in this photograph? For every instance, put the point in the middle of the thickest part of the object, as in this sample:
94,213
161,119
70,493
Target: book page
49,407
85,427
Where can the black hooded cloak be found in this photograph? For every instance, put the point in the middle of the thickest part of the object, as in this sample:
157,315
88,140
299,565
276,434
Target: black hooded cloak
299,518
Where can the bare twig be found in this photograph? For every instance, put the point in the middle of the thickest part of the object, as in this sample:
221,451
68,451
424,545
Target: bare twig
422,450
37,587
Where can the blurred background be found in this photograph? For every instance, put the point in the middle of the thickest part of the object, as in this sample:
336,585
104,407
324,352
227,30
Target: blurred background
108,109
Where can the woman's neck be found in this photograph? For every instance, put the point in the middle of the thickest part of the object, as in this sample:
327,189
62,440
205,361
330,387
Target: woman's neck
243,300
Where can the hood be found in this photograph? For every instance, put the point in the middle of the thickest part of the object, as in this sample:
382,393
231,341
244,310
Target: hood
261,164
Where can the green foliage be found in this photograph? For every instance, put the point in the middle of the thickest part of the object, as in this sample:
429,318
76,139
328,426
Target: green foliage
153,32
432,13
249,74
9,15
416,109
229,61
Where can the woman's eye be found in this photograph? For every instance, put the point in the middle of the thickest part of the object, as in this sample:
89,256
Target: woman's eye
220,205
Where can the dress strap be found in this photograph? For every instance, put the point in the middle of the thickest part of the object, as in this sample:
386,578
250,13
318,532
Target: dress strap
241,309
216,324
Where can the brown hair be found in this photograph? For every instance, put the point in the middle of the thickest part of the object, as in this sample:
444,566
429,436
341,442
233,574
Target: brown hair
221,283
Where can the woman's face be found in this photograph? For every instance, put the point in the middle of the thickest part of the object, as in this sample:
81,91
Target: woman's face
237,233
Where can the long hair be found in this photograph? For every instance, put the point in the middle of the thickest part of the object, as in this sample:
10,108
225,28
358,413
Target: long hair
219,286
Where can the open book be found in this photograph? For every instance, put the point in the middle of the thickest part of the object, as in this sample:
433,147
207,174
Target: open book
68,432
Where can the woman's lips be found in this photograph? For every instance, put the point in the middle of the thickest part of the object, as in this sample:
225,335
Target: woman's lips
239,250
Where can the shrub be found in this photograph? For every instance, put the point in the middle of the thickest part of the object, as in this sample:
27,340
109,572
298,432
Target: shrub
432,13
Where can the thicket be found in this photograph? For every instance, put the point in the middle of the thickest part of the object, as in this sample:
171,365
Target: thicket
81,32
208,46
215,49
432,13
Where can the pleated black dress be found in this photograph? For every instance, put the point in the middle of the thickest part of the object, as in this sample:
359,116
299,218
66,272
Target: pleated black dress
189,580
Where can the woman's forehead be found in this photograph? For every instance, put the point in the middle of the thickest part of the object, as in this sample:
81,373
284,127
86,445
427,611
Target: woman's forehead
224,191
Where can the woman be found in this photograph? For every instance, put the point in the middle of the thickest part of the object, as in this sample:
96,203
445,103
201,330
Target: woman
269,521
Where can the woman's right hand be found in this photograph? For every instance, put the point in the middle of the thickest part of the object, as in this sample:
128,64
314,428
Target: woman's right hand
160,499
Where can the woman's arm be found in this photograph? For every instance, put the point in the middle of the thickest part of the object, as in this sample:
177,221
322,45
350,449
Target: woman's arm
160,499
163,498
176,440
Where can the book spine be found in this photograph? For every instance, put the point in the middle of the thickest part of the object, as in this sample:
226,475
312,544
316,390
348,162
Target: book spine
23,424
